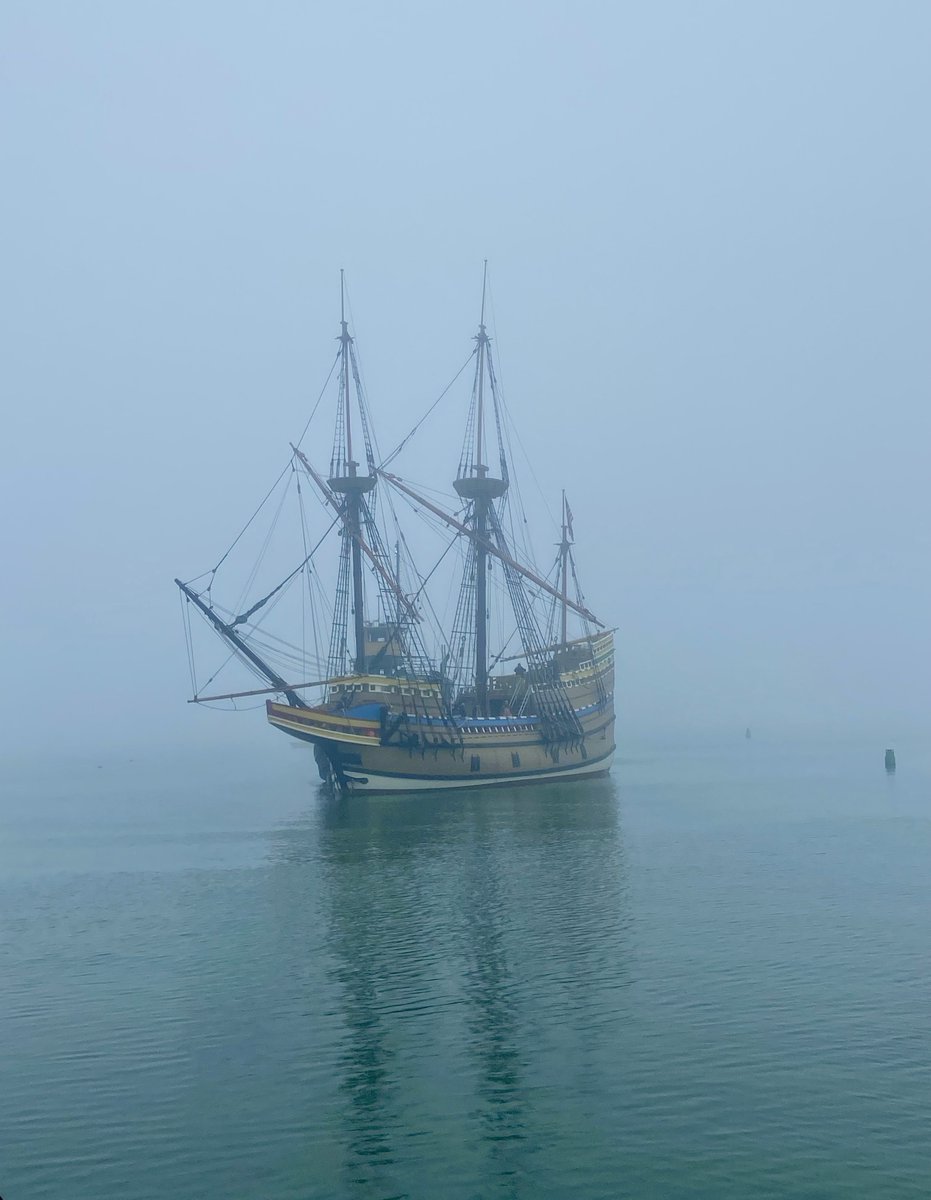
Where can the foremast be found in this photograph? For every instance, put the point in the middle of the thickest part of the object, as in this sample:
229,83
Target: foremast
565,554
345,479
349,490
345,491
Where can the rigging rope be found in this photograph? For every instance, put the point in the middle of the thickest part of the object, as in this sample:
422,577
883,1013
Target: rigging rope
265,599
266,543
400,446
248,523
320,397
271,490
186,621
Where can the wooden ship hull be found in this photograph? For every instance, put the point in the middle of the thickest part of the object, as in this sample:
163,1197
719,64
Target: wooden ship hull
377,746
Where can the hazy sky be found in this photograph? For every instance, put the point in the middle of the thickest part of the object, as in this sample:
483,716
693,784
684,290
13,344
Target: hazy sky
708,230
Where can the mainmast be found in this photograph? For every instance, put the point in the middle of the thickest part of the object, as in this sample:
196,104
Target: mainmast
347,481
475,484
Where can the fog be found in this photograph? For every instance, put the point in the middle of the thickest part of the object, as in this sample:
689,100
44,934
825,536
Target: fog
709,253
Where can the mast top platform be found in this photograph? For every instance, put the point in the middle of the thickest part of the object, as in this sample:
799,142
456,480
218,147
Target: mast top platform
352,483
480,487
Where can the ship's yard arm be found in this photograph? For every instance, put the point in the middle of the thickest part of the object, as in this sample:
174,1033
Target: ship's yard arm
369,553
259,691
226,631
453,523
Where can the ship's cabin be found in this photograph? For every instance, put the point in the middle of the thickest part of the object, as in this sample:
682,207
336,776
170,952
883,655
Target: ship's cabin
508,694
384,648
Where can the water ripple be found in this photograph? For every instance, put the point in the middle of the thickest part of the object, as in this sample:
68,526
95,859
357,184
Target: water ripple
639,987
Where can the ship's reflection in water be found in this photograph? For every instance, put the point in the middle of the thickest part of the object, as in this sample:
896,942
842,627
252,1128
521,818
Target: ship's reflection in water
475,949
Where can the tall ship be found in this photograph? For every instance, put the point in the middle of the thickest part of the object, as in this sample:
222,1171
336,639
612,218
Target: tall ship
415,644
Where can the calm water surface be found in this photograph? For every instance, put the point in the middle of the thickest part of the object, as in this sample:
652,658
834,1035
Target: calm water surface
708,976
